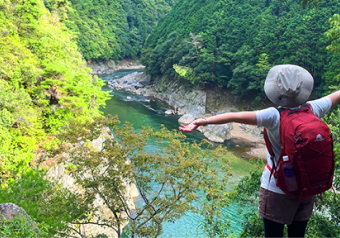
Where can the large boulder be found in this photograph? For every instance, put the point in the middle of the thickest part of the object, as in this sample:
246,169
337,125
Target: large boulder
217,133
9,211
214,133
186,119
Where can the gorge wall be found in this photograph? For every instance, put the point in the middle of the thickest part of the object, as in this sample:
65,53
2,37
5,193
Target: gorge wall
111,66
191,103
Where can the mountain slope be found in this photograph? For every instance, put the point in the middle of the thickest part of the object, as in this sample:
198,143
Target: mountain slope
232,44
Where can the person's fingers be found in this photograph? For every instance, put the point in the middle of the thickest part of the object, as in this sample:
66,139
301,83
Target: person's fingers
188,128
183,128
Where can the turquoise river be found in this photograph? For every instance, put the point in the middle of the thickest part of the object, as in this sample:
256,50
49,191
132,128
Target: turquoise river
143,112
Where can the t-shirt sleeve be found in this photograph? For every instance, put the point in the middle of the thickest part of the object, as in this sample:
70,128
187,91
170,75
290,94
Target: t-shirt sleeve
268,117
321,106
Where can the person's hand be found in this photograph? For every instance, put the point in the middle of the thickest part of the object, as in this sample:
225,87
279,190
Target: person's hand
193,125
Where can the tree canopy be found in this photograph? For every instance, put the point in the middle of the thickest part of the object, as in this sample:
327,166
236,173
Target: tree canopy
50,102
111,29
232,44
44,82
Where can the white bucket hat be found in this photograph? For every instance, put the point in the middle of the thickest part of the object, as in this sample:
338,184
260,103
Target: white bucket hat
288,85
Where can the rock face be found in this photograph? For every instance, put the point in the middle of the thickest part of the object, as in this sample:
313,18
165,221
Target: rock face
217,133
57,172
193,104
133,82
182,99
9,211
111,66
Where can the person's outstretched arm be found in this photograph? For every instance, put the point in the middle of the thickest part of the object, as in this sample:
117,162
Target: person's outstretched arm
335,98
240,117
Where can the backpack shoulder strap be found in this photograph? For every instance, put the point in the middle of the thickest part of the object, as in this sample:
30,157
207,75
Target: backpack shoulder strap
266,138
268,144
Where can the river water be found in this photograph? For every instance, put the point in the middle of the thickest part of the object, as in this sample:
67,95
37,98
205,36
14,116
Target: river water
141,111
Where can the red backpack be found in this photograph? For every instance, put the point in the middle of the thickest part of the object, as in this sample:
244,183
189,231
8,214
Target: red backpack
306,163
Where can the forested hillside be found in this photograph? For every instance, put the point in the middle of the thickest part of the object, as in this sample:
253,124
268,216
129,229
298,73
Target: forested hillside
50,115
50,107
111,29
44,81
232,44
44,84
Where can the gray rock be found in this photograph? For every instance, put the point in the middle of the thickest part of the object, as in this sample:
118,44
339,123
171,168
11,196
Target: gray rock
196,109
245,128
189,102
8,211
146,80
217,133
169,112
111,66
186,119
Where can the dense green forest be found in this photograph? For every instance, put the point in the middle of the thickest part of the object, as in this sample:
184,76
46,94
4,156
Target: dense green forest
232,44
50,114
44,82
111,29
50,105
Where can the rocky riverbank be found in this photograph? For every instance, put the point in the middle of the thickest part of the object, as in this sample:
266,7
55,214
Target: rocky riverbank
195,103
111,66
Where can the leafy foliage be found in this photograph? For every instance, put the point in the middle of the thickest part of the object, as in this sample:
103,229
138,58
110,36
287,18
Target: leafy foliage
20,130
169,181
20,226
43,82
310,2
239,41
45,201
111,29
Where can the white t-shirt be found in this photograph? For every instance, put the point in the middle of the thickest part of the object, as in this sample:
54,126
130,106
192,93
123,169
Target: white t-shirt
270,119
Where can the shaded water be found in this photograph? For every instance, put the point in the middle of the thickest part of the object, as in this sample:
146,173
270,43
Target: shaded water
143,111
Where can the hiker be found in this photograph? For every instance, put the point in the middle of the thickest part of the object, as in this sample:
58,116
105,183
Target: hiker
287,86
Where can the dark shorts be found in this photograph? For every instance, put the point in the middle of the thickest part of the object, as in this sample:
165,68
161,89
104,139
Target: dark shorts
284,209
